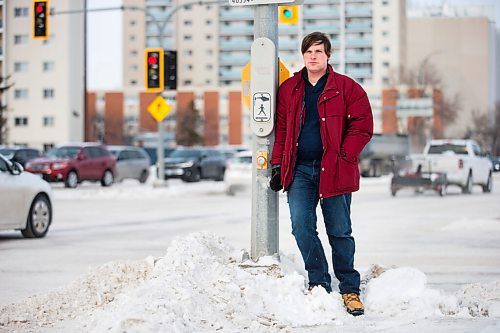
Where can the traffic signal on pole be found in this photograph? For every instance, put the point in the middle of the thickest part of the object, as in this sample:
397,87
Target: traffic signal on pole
40,19
153,69
170,61
288,14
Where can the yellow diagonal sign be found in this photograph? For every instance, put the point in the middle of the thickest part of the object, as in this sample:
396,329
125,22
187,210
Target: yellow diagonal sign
159,108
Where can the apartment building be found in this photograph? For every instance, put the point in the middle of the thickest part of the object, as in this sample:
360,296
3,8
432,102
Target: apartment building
213,41
46,104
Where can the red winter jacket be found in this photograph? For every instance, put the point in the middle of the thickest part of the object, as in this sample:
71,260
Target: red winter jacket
346,126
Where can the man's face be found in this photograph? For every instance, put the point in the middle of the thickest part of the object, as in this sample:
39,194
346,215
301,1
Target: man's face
315,59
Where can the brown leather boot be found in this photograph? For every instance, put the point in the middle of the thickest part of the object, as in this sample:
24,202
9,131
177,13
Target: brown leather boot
353,304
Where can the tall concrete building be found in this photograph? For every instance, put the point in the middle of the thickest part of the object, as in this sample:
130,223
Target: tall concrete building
213,41
461,45
46,104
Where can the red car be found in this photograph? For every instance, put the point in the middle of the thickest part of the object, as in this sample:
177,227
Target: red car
74,163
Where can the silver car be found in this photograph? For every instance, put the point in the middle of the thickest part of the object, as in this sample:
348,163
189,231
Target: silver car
25,200
131,163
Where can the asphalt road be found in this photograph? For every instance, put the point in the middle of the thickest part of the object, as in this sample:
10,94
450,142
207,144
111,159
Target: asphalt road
454,240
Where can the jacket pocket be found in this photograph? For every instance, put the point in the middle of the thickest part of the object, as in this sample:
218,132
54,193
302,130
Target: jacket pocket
347,174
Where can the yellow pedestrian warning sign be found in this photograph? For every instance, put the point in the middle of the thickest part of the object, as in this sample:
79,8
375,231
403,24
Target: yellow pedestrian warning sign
159,109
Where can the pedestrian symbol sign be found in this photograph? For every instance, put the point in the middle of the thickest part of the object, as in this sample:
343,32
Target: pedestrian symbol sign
262,107
159,108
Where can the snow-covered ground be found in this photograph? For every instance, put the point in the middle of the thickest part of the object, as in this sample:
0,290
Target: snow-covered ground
133,258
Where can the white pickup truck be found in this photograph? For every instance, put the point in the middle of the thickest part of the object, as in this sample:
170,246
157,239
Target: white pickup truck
462,161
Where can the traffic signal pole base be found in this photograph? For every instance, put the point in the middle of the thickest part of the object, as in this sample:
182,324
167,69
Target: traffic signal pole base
157,183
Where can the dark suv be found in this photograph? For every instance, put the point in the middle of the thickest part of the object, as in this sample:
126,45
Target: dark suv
74,163
193,164
20,155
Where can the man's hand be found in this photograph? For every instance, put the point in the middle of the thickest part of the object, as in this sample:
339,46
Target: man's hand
275,183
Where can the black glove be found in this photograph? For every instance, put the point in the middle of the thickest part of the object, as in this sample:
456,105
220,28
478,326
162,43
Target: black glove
275,183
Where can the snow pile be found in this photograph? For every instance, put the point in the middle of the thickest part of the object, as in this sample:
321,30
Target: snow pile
200,286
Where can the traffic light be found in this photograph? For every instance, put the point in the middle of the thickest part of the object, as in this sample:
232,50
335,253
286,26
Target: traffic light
40,19
288,14
153,69
170,61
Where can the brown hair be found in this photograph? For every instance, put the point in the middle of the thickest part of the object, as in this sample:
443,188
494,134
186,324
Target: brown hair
316,38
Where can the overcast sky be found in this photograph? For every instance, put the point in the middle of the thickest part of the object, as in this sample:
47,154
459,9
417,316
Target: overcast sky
105,43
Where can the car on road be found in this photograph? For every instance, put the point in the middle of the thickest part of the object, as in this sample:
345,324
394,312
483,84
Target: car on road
25,201
74,163
496,163
238,177
191,164
20,154
131,163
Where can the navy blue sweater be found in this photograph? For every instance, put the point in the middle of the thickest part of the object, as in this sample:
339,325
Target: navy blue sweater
310,145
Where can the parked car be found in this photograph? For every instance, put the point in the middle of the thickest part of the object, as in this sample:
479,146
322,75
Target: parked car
131,162
496,163
25,201
192,164
153,151
74,163
238,177
20,154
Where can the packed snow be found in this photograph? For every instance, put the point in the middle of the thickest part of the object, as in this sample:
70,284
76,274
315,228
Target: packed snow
201,285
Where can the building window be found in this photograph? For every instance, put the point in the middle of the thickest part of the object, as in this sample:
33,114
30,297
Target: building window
48,93
132,23
209,66
385,33
188,22
133,53
20,39
386,49
188,37
188,67
131,38
208,81
20,67
134,68
20,93
187,52
48,121
385,18
47,146
210,51
133,82
187,82
48,66
208,22
21,121
208,37
385,2
385,64
21,12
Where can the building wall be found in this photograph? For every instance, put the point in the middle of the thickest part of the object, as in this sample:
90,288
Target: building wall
90,117
113,118
458,48
134,41
59,116
212,119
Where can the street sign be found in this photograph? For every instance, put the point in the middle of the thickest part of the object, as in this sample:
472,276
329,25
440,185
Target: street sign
159,109
284,73
263,2
263,86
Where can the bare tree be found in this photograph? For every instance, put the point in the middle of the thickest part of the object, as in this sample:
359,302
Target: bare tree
187,127
485,131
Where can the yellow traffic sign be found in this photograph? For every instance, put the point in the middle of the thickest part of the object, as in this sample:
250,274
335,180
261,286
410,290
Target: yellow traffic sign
245,85
159,109
283,72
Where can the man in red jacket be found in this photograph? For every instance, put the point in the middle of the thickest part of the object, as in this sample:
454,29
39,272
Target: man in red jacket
323,121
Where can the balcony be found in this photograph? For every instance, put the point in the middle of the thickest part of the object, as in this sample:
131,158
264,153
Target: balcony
232,75
359,26
234,60
359,57
236,31
362,72
235,45
358,42
358,12
318,14
236,15
417,107
326,28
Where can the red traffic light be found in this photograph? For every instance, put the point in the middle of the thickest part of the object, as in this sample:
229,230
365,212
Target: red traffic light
152,60
39,8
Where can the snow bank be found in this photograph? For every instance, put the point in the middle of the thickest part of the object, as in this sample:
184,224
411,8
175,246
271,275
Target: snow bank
200,285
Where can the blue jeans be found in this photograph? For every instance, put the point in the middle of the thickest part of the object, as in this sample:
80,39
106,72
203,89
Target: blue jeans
303,198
